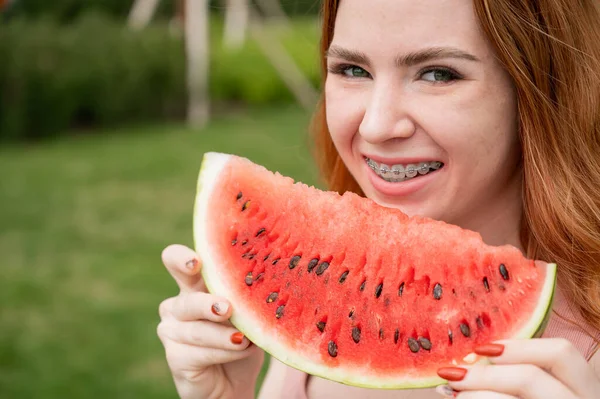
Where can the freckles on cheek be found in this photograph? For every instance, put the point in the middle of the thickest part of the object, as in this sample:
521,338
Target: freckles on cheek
343,116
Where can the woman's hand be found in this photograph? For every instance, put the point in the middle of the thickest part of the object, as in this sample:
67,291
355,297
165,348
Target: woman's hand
208,357
546,368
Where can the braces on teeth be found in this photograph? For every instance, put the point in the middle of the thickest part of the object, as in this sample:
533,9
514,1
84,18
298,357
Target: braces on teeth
398,173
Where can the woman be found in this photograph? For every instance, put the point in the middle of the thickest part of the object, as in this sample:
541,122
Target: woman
505,94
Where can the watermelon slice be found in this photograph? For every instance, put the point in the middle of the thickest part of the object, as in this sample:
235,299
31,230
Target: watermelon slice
340,287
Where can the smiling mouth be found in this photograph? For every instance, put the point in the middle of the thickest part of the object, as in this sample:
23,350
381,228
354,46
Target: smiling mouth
399,172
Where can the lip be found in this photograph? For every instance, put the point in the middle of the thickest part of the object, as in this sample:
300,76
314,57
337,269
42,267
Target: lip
403,161
404,188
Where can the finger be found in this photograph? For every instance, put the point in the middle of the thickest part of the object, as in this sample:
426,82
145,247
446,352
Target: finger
189,357
446,392
555,355
203,333
184,266
483,395
196,306
521,380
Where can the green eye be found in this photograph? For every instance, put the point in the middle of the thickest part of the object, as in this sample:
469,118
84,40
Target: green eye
439,75
356,72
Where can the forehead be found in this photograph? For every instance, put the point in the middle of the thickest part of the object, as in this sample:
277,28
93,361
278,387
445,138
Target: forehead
408,25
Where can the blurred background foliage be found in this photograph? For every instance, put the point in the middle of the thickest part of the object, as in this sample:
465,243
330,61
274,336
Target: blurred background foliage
74,64
65,11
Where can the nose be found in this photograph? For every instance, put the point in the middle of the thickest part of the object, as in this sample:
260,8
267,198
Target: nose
385,115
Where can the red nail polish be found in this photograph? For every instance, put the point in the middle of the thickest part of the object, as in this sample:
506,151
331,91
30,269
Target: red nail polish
215,309
219,308
237,338
191,264
446,391
489,350
452,373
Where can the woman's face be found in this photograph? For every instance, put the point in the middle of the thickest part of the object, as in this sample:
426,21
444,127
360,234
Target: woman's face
414,89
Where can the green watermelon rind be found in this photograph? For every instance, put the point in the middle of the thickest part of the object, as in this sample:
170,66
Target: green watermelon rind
212,166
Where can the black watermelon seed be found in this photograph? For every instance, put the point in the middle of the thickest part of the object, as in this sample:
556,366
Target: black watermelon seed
279,311
465,330
486,284
321,326
233,242
275,261
356,334
321,268
503,271
343,277
450,336
248,280
251,256
266,257
294,261
396,335
332,349
413,345
312,264
437,291
479,322
239,196
272,297
378,290
381,335
261,231
245,206
362,286
351,313
425,343
401,289
244,242
245,255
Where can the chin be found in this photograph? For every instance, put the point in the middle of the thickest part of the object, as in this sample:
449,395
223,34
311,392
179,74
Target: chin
410,208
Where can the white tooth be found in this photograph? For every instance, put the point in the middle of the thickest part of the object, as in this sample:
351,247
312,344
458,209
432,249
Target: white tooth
411,170
372,164
398,171
435,165
385,171
423,168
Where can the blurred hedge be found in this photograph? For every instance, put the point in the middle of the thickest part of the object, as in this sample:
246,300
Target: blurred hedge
68,10
95,72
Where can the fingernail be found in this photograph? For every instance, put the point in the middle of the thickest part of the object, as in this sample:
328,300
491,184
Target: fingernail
446,391
452,373
237,338
191,264
219,308
490,350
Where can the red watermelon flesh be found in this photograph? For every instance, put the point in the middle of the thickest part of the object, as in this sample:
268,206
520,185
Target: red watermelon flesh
343,288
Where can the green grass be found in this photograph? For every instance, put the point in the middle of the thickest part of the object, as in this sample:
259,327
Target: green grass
83,222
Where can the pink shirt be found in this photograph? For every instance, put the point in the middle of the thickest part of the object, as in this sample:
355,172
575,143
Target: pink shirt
292,384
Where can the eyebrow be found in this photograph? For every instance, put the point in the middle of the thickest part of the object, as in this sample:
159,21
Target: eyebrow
405,60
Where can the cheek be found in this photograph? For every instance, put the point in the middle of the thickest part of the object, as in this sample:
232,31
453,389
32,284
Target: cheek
344,114
474,125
